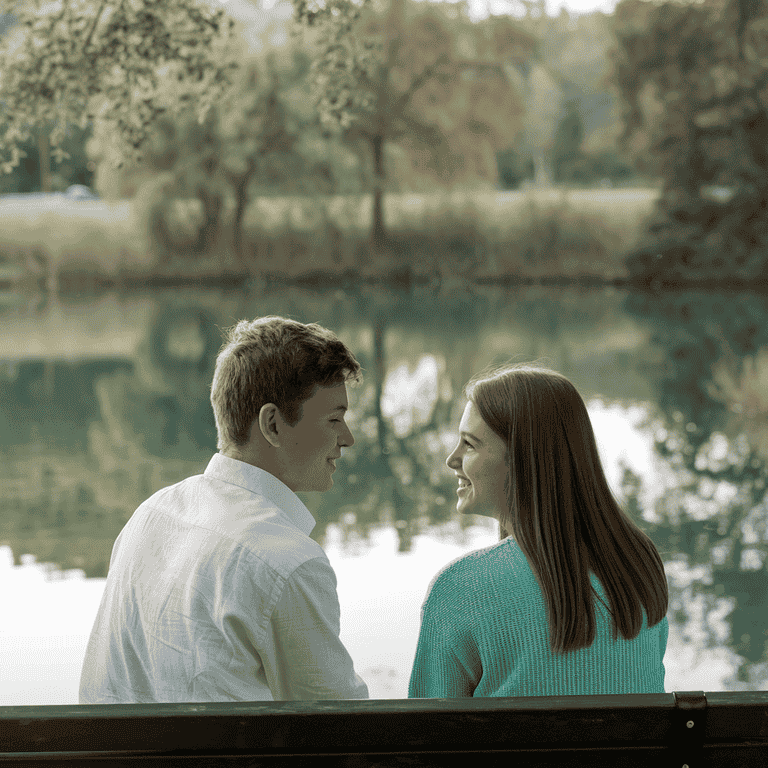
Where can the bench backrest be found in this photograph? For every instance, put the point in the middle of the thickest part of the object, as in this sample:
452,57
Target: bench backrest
657,730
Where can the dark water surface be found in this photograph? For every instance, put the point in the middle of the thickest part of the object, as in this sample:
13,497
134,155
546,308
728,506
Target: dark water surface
105,400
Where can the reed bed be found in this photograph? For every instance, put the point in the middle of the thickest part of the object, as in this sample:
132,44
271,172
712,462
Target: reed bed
478,234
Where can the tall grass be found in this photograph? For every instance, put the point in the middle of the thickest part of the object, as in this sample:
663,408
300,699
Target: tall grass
481,234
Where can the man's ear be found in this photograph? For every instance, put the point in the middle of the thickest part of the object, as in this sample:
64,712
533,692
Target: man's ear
268,424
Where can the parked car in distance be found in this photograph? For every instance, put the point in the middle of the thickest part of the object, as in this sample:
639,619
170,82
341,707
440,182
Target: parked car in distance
80,192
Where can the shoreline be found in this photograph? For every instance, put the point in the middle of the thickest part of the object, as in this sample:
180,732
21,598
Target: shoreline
92,284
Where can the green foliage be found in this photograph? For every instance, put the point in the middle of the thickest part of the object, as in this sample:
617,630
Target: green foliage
75,168
260,141
26,175
575,169
124,63
419,76
568,140
694,81
515,166
608,165
573,53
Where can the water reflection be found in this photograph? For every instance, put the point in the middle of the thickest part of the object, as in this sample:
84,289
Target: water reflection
105,401
710,425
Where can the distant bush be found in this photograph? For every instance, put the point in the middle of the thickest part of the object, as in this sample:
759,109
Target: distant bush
467,234
77,169
607,168
515,167
600,169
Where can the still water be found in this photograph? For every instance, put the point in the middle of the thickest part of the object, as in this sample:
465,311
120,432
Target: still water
104,400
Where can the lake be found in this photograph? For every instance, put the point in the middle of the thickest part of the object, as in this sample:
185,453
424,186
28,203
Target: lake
105,400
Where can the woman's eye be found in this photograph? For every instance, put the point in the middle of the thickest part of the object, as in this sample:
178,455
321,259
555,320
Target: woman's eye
464,442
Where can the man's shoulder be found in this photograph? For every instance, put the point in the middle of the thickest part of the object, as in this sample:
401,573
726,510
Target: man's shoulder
169,490
276,538
236,520
266,551
260,528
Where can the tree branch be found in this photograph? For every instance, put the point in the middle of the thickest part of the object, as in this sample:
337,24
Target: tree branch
422,78
96,21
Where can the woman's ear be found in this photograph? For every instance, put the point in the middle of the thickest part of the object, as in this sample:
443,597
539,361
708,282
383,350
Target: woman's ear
268,418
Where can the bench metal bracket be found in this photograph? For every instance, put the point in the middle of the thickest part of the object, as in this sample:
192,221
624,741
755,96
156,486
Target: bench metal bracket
689,723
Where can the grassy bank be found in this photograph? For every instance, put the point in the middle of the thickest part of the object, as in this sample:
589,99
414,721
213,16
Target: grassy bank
539,235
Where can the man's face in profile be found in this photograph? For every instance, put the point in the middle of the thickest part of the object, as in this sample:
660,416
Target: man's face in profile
312,446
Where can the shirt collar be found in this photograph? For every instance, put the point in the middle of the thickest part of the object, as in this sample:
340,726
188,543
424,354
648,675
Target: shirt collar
262,483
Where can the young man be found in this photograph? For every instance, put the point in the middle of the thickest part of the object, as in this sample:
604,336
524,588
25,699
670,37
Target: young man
215,591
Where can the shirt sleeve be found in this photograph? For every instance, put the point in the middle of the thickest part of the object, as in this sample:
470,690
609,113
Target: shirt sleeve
447,664
309,662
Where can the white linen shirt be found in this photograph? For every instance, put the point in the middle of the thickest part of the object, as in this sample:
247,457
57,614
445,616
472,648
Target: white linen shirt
215,592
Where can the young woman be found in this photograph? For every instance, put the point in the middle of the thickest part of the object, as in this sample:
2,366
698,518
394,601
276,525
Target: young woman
573,598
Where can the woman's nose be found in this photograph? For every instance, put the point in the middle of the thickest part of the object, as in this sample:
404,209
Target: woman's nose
349,439
453,461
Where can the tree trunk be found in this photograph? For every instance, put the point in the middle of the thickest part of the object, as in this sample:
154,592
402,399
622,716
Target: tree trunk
378,234
44,151
379,326
542,169
240,185
208,233
237,223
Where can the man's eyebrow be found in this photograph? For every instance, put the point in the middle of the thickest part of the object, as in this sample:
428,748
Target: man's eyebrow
472,437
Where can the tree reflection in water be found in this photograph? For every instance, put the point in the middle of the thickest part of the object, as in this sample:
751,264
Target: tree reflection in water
85,439
711,428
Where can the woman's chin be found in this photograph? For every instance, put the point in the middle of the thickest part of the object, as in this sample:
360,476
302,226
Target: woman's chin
468,509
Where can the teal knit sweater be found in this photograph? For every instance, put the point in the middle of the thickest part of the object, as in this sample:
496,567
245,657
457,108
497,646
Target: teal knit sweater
484,632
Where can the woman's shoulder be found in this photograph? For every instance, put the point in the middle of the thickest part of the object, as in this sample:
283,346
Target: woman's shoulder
469,566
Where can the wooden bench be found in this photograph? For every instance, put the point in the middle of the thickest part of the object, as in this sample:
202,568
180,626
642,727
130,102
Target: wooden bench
669,730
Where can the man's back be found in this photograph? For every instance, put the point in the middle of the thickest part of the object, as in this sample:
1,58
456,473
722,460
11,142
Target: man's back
216,593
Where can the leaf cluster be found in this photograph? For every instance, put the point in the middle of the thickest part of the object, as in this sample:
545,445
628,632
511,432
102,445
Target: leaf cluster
694,82
260,140
418,75
121,62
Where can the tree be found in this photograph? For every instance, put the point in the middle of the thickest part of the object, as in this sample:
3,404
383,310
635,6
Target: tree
572,64
256,141
543,108
569,137
418,76
694,81
121,62
515,166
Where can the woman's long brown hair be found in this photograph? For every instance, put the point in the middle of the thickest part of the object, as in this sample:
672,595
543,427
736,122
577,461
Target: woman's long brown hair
561,510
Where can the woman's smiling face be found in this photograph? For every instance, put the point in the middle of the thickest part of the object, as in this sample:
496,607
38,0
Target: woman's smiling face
480,464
